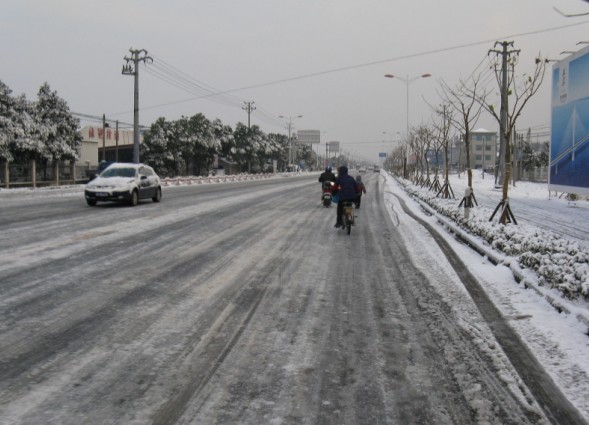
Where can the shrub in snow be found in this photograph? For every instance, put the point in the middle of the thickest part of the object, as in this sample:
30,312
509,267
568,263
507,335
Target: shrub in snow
559,264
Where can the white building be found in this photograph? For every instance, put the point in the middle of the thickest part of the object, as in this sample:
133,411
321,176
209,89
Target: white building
483,149
95,147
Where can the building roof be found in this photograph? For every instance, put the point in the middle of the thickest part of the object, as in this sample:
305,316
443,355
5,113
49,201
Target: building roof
482,130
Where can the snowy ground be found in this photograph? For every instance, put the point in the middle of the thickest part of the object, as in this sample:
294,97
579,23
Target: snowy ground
559,340
283,342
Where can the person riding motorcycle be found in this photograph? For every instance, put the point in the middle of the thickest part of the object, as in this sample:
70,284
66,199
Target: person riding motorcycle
327,176
327,179
347,189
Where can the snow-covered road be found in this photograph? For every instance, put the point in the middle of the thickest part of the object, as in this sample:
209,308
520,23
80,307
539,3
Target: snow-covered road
240,303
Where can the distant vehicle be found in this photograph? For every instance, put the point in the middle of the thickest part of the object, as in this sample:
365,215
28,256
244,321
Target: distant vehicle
122,182
101,167
362,170
376,169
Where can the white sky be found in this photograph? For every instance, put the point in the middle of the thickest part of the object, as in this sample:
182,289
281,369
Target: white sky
249,47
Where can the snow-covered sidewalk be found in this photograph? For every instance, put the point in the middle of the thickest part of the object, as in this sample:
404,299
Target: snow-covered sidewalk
558,337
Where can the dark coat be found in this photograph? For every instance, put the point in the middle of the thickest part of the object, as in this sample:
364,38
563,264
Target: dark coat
346,185
327,176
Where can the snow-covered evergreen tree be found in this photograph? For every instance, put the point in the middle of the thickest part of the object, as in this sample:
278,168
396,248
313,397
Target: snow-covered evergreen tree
8,125
57,129
201,142
224,136
16,124
280,148
159,148
188,145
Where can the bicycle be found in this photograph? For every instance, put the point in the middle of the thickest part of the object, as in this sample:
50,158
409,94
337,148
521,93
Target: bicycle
348,215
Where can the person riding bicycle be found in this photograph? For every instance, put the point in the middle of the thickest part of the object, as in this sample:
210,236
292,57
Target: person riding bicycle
327,176
346,187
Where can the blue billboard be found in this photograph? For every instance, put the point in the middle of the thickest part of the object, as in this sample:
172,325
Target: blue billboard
569,143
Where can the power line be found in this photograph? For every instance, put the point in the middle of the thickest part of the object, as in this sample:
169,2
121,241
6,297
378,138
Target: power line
97,118
215,92
409,56
180,78
171,75
185,82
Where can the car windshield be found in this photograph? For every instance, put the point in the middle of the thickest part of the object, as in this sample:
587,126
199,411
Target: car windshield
118,172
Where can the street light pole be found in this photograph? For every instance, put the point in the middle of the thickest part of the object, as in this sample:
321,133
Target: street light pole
407,82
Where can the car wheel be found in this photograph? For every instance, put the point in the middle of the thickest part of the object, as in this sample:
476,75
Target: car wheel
91,202
134,198
158,195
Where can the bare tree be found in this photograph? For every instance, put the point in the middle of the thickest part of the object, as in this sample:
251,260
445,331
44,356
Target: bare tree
420,140
397,161
520,89
413,156
442,128
464,101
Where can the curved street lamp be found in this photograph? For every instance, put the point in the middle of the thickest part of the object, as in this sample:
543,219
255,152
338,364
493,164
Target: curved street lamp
408,81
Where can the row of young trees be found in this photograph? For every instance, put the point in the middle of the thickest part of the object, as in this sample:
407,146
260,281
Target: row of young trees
430,153
43,130
461,108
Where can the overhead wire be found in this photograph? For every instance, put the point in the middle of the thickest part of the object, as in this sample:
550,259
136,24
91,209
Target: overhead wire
200,90
393,59
172,75
99,119
183,81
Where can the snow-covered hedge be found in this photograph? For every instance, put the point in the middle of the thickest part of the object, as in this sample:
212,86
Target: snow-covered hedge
558,263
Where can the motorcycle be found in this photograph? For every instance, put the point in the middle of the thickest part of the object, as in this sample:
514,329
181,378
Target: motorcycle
326,193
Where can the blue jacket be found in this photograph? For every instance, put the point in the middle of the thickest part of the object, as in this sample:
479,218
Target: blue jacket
346,185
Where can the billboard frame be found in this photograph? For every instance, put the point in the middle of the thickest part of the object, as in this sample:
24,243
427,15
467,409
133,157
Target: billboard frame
569,135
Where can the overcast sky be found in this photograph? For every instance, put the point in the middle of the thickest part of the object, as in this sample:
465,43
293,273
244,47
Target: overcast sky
322,59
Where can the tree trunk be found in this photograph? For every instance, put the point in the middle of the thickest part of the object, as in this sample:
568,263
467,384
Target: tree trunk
6,175
506,178
34,172
447,166
56,172
73,171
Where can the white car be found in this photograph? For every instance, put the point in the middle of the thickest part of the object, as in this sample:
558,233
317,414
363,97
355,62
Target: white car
122,182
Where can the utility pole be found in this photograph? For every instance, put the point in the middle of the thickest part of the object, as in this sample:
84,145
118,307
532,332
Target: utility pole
129,69
290,126
103,137
117,142
249,108
503,143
